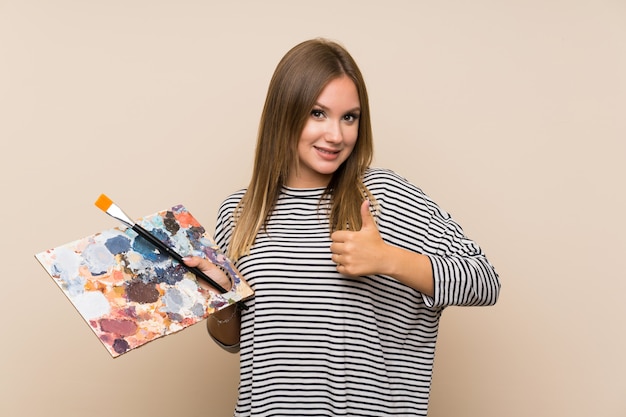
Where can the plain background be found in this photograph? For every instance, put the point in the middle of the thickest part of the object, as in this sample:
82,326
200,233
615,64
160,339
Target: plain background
510,114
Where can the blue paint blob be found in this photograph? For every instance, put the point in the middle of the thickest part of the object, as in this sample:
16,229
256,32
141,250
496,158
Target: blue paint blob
162,235
98,259
198,310
147,250
170,275
195,235
118,244
173,300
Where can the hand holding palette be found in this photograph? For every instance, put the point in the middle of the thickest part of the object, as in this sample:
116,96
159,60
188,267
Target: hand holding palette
129,292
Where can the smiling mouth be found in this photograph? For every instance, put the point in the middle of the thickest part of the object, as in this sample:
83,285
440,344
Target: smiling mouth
327,151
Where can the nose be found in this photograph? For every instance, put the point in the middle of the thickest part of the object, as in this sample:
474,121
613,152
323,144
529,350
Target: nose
333,132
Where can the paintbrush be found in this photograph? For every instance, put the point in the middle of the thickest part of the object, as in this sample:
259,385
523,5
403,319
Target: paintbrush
105,204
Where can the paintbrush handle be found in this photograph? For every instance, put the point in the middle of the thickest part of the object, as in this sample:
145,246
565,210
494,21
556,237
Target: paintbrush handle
172,253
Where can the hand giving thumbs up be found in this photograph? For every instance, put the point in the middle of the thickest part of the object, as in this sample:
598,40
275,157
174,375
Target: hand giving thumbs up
359,252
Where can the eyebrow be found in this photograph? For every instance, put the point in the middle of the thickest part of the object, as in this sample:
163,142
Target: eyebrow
353,110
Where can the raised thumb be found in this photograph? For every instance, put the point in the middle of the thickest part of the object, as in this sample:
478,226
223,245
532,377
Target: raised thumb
366,215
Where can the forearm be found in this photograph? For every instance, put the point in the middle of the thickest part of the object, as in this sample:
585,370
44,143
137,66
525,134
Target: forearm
459,280
224,325
411,268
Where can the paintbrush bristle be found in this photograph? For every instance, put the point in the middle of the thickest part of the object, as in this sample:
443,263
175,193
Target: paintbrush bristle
103,202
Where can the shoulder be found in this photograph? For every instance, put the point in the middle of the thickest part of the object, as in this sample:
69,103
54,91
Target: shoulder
225,219
374,173
394,193
228,205
234,198
381,180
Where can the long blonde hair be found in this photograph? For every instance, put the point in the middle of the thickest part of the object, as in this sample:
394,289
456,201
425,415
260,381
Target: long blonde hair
298,80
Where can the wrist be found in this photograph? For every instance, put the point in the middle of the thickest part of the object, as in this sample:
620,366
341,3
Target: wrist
225,315
389,260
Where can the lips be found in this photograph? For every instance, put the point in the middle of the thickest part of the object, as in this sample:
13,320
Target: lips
327,154
327,151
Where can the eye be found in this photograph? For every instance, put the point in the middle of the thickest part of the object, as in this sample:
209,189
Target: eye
317,113
351,117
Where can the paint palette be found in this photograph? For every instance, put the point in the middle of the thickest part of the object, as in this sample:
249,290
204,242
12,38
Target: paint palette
128,292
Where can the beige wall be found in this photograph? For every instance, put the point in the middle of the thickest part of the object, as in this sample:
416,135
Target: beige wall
511,114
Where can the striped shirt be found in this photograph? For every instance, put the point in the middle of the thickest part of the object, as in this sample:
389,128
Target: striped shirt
317,343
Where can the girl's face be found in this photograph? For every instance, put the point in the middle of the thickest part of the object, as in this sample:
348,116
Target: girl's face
329,135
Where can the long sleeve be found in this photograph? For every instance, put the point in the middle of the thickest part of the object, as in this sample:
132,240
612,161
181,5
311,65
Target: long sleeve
408,218
461,271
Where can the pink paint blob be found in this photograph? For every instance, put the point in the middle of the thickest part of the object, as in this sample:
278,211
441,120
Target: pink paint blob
119,327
